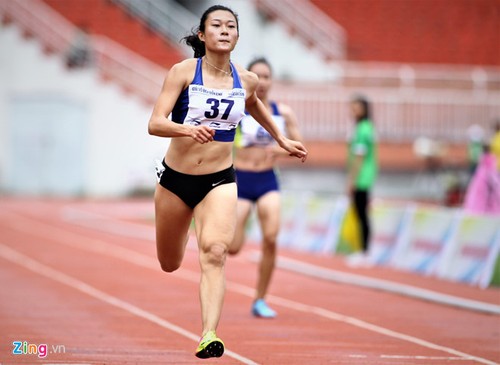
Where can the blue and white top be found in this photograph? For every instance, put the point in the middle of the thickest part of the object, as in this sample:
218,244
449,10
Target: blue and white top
251,133
219,109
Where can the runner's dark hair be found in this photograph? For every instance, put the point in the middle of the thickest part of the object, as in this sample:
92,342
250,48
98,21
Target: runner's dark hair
192,39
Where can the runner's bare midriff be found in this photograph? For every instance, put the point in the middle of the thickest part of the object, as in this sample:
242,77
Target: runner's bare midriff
190,157
255,159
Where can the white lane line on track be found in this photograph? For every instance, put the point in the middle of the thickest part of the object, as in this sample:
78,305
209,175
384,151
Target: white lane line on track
98,246
415,357
380,284
38,268
325,313
422,357
104,223
101,222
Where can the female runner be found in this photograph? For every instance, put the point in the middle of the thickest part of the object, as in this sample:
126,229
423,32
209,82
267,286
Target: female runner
206,97
257,182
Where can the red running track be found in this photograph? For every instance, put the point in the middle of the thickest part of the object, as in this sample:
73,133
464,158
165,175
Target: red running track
82,278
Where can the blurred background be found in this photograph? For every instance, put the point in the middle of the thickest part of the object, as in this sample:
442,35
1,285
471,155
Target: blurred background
78,80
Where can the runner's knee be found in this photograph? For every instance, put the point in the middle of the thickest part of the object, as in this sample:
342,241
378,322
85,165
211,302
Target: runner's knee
269,243
170,265
235,247
214,254
233,251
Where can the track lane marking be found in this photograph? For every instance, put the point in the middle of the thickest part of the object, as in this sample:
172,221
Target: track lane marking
105,248
409,357
43,270
111,224
422,357
380,284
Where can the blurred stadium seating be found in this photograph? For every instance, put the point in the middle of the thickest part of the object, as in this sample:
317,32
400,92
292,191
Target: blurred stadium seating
436,32
430,68
106,18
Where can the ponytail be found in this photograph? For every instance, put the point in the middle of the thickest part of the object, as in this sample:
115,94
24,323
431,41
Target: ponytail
196,44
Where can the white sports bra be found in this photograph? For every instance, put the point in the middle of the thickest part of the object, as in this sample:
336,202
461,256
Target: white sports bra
219,109
251,133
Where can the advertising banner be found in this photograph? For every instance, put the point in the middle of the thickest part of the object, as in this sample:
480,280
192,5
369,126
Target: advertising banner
315,222
388,222
472,251
423,239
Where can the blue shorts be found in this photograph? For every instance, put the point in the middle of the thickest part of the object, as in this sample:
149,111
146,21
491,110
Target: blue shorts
253,185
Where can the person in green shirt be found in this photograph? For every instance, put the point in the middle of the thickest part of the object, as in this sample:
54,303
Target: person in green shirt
475,144
362,169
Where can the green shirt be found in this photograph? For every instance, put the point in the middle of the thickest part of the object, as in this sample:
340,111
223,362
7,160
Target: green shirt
363,144
475,151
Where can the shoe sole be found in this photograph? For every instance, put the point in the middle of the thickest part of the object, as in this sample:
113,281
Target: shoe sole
258,315
213,349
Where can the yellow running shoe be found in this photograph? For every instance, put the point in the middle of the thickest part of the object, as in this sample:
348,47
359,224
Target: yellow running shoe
210,346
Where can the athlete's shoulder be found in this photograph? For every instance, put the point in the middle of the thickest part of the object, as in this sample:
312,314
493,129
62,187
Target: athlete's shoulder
284,109
249,79
182,73
188,65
